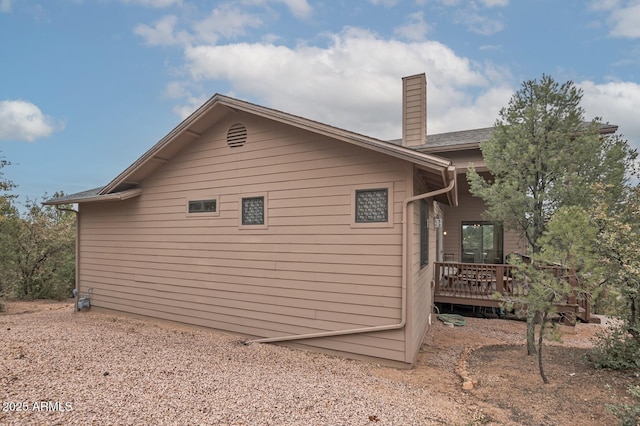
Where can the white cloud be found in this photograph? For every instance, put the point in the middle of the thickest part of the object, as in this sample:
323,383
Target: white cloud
225,21
474,16
604,4
5,6
474,4
416,29
449,2
386,3
355,81
299,8
625,21
176,89
494,3
158,4
186,109
617,103
22,120
162,33
478,23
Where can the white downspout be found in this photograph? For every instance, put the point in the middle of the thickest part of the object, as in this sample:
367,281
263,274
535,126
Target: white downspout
403,319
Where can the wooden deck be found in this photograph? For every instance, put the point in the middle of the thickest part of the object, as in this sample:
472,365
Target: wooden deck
489,285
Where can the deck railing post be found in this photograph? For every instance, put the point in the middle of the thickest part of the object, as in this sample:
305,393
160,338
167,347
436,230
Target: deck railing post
500,279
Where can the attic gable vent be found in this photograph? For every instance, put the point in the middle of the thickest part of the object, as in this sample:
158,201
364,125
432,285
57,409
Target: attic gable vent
237,135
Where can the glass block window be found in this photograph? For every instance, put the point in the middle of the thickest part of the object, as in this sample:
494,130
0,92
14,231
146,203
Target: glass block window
253,211
203,206
372,205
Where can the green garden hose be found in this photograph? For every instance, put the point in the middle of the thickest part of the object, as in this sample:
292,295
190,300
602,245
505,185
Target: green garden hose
455,319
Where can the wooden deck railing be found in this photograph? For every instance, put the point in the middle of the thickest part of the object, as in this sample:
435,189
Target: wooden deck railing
490,285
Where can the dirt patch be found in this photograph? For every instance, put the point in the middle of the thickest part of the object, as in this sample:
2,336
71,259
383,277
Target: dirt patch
17,307
507,387
510,383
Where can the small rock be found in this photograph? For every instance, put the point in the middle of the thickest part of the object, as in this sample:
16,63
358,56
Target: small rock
105,374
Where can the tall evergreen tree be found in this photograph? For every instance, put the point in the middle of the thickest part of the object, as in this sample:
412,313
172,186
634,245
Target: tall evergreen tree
542,156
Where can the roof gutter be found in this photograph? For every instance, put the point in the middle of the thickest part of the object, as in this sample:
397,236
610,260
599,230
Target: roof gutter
405,262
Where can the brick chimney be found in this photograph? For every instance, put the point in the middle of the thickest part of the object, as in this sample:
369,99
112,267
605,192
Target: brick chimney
414,110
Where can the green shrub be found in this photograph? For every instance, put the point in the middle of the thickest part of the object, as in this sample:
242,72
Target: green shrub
616,350
628,414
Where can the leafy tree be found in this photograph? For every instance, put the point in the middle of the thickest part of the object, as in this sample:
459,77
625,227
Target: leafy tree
8,215
566,268
619,245
37,258
543,156
45,260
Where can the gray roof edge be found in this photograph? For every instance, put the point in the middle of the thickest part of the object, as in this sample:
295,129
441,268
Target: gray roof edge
71,198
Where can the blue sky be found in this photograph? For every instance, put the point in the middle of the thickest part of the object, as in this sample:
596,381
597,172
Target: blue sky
87,86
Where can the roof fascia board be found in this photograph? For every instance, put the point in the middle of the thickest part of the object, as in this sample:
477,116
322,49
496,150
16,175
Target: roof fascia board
450,148
116,196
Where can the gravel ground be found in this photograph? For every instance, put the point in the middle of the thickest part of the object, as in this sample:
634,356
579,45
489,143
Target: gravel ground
99,368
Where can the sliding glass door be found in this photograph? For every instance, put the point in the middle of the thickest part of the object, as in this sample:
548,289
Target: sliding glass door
482,242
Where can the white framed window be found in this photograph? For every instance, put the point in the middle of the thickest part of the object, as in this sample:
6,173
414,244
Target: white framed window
253,211
372,205
203,206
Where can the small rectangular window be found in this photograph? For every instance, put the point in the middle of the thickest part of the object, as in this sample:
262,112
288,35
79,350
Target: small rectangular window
253,211
203,206
372,205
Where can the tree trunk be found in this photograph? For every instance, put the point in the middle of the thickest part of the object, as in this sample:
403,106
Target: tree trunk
633,322
543,322
531,333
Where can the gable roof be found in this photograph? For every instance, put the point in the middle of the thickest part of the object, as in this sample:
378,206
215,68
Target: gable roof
437,172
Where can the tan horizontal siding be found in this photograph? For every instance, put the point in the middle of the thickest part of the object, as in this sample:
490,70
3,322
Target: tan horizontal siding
235,246
308,271
292,295
222,315
177,255
306,313
342,282
383,345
